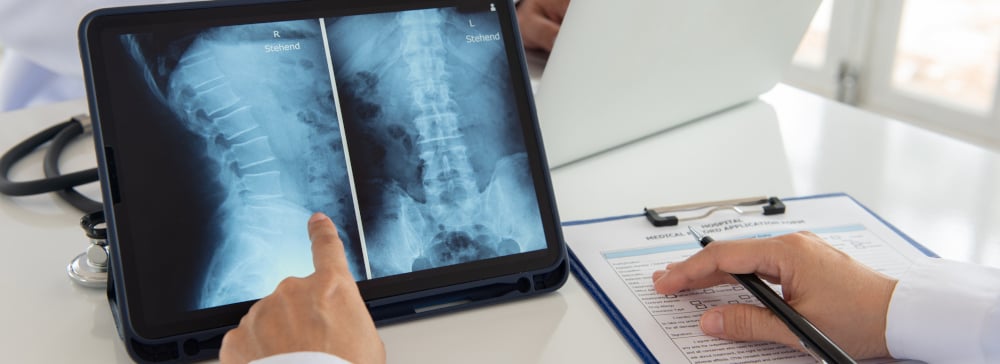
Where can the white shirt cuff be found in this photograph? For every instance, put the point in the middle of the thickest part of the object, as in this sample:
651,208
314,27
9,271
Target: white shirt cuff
942,312
303,357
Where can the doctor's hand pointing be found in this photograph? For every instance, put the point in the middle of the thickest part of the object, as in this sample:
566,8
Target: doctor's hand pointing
322,313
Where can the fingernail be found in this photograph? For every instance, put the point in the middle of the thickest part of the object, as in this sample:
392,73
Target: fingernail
711,323
317,217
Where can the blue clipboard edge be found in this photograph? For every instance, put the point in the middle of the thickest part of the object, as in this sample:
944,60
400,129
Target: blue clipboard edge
602,298
609,308
619,319
892,227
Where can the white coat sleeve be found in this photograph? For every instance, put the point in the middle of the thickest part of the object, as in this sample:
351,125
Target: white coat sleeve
305,357
946,312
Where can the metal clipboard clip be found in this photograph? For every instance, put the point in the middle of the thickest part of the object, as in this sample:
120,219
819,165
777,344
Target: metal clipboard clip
672,215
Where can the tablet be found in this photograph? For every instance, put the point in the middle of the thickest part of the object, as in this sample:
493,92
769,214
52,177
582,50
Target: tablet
221,127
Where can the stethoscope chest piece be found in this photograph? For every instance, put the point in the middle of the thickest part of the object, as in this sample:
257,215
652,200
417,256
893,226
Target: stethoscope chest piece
84,271
90,268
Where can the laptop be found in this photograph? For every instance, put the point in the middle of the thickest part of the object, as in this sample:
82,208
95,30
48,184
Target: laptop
623,70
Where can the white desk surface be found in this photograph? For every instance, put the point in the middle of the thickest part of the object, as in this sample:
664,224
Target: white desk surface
943,192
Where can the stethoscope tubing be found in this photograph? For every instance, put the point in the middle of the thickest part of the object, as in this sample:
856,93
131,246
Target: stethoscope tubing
60,135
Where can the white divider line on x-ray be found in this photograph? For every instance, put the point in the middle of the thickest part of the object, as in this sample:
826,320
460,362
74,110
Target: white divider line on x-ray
347,154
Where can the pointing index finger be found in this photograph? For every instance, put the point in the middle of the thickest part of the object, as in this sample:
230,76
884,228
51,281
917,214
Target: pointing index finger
327,248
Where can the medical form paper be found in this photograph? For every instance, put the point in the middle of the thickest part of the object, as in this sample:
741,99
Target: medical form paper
617,257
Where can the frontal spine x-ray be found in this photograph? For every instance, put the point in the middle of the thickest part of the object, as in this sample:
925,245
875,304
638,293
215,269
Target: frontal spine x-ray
435,136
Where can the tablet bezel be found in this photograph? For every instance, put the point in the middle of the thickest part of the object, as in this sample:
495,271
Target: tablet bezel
101,26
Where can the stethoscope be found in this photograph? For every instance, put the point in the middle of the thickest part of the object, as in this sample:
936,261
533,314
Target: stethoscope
90,268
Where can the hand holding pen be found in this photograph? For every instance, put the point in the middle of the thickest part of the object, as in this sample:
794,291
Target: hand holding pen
846,300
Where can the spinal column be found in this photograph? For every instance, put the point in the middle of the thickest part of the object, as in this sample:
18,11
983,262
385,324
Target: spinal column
449,226
270,127
240,269
447,177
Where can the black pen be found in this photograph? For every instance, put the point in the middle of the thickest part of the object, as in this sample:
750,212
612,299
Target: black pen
813,340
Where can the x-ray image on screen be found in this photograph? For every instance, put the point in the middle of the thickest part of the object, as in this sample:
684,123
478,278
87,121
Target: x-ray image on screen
261,99
436,149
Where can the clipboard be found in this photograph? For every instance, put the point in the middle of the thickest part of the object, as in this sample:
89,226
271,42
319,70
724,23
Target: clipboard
672,216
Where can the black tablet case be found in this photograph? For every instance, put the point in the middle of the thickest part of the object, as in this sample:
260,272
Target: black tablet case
194,346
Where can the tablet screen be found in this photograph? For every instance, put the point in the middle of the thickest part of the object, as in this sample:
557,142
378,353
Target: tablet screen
408,127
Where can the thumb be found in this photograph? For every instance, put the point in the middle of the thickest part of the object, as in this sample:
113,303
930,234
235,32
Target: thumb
747,323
